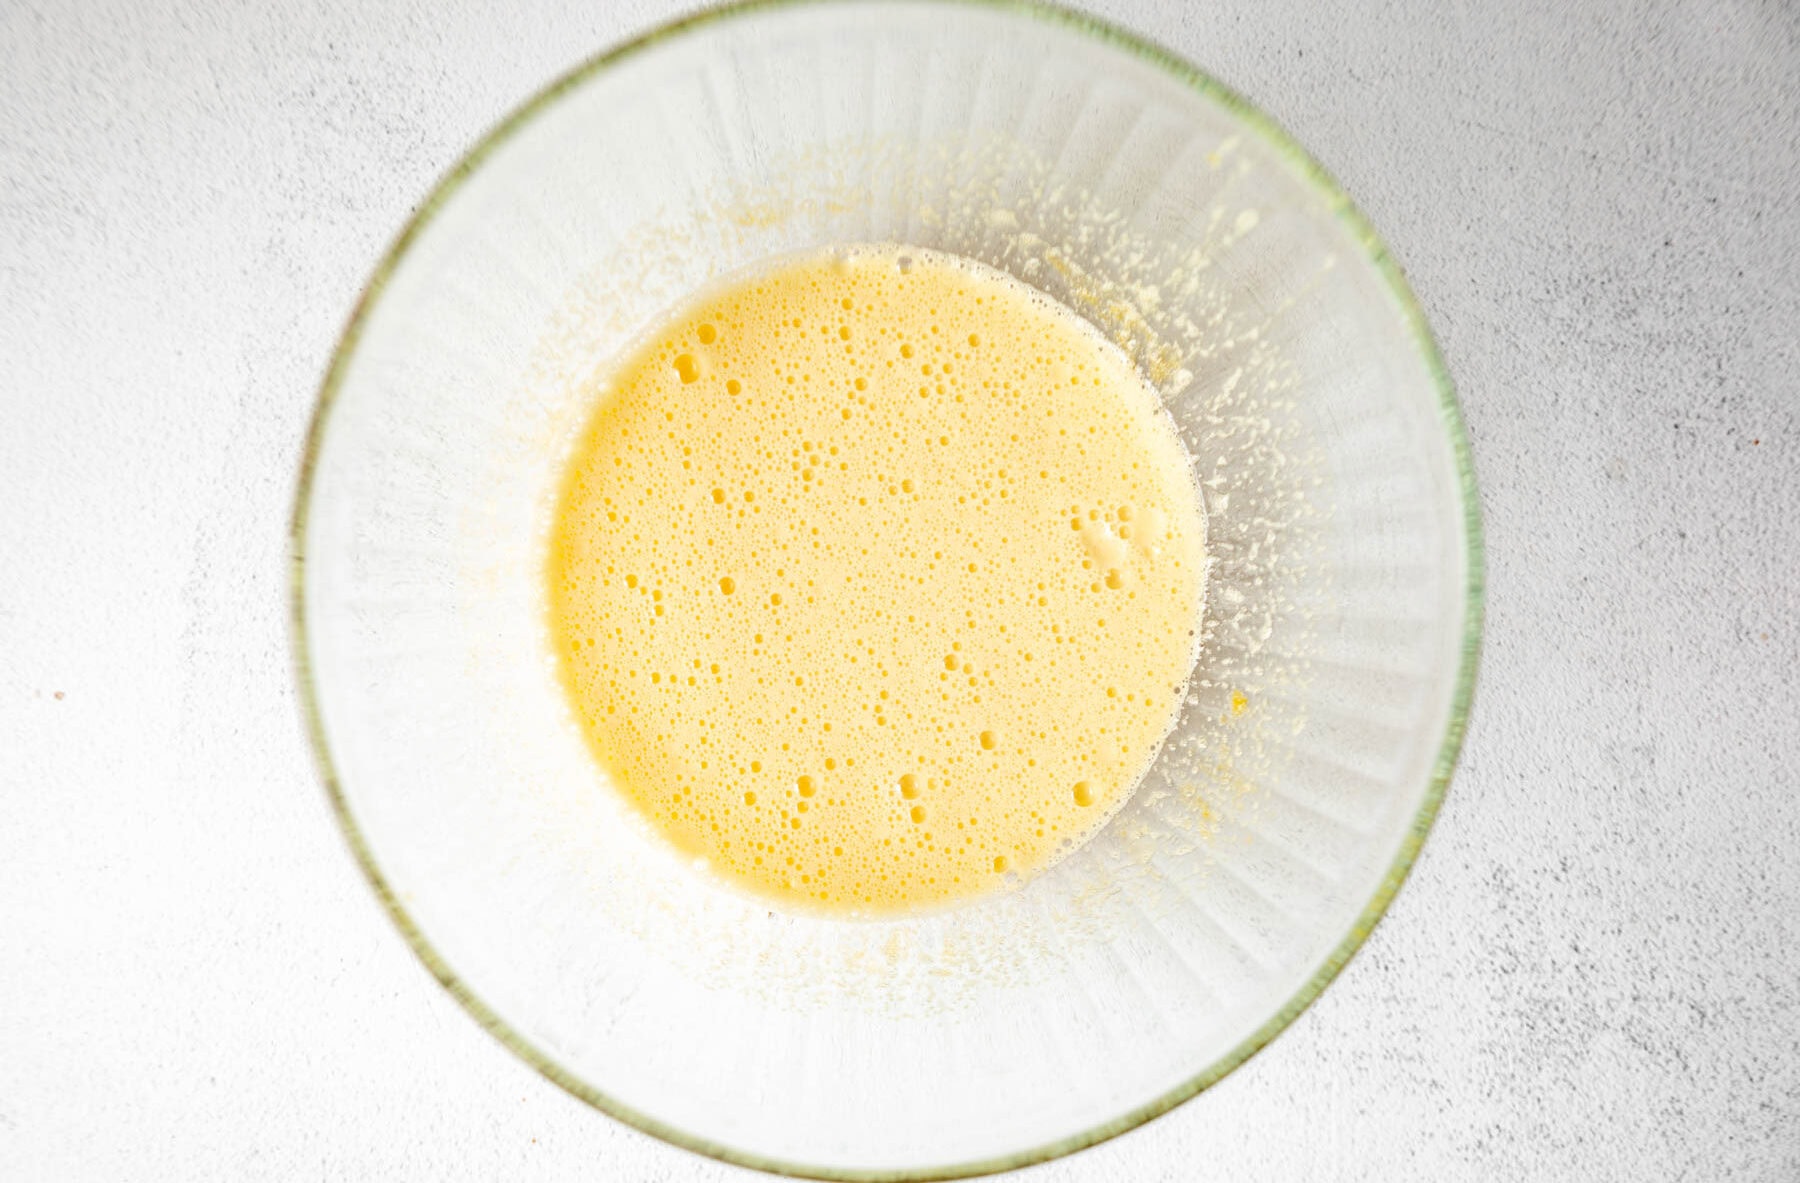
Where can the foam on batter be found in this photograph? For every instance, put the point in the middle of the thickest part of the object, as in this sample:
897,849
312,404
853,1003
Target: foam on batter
875,579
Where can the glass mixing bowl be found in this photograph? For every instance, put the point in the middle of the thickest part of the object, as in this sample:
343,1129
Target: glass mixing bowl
1338,639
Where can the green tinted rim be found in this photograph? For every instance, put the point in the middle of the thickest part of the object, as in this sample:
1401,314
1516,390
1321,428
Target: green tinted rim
1371,914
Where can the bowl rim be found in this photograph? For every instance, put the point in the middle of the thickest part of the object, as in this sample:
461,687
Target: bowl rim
1444,764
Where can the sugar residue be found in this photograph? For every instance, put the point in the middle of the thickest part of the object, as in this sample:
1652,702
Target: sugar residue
1214,353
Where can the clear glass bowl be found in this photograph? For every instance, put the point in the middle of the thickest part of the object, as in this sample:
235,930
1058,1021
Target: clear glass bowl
1339,637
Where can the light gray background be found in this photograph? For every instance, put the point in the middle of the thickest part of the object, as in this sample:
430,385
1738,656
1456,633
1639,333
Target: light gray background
1594,972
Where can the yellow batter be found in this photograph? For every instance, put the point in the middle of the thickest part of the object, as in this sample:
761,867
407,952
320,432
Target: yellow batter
875,580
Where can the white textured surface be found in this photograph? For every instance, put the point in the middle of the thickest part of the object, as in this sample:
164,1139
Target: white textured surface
1595,970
